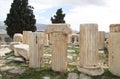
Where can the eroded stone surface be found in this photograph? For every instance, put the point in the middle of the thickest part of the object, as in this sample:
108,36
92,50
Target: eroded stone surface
101,40
36,50
18,70
114,53
72,76
115,28
4,51
22,50
58,39
26,37
88,58
18,37
84,76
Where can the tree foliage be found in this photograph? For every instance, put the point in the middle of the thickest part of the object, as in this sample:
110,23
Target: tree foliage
59,17
20,18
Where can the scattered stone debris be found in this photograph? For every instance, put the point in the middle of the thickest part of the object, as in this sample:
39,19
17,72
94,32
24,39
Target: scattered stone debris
6,68
16,59
18,70
72,76
84,76
4,50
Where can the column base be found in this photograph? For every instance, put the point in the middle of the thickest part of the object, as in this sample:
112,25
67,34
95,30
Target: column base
93,71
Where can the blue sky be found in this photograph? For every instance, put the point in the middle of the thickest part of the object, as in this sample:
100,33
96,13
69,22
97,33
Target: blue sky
102,12
50,12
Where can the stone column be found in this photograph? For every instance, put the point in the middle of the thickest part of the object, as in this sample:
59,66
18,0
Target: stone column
114,49
115,28
46,39
36,49
88,59
50,38
69,38
26,35
26,39
101,39
59,40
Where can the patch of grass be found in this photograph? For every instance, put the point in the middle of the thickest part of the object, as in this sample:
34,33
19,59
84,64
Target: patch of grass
39,73
109,74
106,75
16,63
72,68
7,75
9,54
106,51
35,73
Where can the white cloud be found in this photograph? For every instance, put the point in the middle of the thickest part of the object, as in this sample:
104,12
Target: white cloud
43,20
4,8
73,2
103,12
39,6
102,15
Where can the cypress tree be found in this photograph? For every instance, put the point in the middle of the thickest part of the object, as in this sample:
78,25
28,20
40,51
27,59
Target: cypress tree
59,17
20,18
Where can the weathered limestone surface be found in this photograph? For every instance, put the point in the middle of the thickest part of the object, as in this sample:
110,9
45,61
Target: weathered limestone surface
101,38
59,37
11,45
84,76
45,38
18,37
72,76
50,38
21,50
115,28
88,59
69,38
114,53
36,49
26,35
4,50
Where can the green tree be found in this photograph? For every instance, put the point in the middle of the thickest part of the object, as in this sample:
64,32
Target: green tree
59,17
20,18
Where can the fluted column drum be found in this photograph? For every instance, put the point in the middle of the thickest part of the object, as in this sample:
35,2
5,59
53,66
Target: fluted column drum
88,58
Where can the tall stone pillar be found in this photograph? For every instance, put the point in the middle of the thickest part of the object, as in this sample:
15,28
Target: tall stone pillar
26,35
46,39
69,38
101,38
50,38
115,28
114,49
36,49
114,53
59,37
88,59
